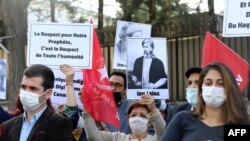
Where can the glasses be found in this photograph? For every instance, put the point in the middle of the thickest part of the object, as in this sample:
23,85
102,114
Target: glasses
138,115
117,85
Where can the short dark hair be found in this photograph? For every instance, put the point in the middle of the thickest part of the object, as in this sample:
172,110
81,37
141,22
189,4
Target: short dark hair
45,72
192,70
148,40
122,74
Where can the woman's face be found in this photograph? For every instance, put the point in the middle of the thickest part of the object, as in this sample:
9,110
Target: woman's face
213,78
138,120
213,92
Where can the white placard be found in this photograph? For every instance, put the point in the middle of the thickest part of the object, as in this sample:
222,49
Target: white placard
51,44
123,30
236,18
155,69
59,92
3,76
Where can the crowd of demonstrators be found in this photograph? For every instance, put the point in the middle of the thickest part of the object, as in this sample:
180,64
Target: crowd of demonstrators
117,80
192,75
140,114
219,103
213,100
38,121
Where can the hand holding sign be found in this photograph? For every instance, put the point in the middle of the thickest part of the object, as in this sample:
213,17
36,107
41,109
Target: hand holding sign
69,73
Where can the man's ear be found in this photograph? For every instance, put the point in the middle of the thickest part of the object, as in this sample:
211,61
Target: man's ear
48,93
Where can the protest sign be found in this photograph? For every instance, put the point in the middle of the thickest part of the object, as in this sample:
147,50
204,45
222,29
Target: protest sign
236,18
52,44
3,76
147,68
123,30
59,92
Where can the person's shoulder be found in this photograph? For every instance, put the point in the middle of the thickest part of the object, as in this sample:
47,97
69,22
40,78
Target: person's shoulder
59,116
181,107
185,113
12,121
183,116
59,119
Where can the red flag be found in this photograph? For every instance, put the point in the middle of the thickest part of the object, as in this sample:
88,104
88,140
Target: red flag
216,51
97,94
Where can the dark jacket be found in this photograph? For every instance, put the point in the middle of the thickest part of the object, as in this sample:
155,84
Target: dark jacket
175,109
49,127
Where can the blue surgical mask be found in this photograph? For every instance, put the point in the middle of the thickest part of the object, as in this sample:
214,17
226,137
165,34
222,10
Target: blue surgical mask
163,105
191,96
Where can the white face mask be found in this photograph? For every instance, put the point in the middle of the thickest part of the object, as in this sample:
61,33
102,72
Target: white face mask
80,123
30,101
138,125
192,95
213,96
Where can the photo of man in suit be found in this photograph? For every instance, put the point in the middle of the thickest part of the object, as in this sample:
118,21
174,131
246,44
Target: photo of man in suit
38,122
148,71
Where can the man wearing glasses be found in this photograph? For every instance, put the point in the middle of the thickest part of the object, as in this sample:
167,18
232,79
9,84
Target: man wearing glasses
118,83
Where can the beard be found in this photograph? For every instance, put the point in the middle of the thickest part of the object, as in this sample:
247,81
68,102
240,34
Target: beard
148,54
117,97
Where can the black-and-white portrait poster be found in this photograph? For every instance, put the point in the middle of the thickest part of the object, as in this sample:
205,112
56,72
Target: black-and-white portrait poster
123,30
147,67
3,74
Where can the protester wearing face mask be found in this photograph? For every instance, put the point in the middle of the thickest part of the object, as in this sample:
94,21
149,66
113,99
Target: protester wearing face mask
192,75
139,116
118,81
219,103
38,122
